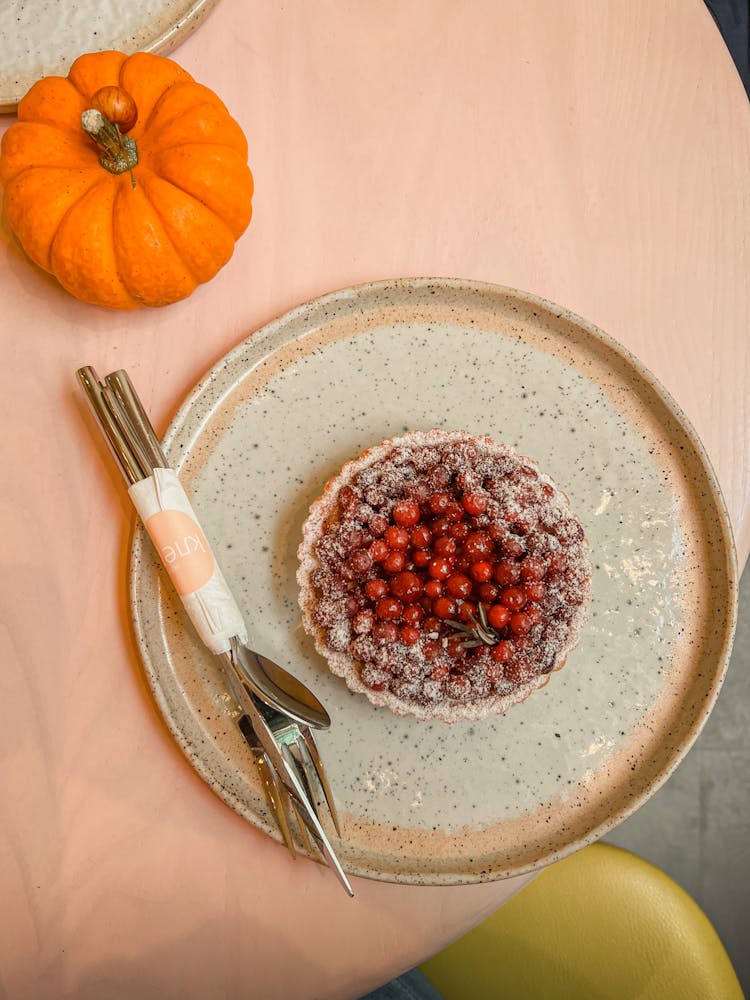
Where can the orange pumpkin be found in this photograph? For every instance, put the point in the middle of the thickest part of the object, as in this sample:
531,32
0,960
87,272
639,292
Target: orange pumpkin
127,180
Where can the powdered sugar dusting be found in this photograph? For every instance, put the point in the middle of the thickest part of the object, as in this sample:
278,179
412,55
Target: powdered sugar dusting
521,520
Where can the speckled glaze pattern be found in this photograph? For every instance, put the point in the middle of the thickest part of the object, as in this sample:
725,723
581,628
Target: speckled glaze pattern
423,802
28,26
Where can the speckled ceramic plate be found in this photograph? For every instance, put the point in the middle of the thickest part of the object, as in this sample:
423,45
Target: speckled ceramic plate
42,37
433,803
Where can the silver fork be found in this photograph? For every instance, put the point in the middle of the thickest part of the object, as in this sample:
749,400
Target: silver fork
283,746
289,766
290,770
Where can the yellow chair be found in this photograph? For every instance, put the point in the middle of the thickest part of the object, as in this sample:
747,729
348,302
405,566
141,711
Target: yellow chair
600,925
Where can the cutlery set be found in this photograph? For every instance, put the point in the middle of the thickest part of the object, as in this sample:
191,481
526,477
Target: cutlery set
276,713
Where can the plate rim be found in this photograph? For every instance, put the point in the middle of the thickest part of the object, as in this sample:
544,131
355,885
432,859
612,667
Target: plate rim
729,560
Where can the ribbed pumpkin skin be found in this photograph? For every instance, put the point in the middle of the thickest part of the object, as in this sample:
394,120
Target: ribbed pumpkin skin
106,241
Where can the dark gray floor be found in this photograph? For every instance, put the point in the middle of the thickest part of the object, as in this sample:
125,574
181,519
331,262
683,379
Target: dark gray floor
697,827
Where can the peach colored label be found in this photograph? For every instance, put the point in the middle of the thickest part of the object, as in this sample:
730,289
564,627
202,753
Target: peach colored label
183,549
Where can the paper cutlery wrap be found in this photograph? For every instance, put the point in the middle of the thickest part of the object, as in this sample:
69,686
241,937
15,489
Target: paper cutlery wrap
186,554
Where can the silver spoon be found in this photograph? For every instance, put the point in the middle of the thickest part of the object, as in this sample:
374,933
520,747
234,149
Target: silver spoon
167,515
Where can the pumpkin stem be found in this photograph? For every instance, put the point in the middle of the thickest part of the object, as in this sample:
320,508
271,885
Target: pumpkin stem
119,152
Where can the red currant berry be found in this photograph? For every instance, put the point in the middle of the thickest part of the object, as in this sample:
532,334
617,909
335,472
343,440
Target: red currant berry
413,614
430,625
535,590
440,526
488,593
439,672
396,538
379,550
361,561
433,588
420,537
421,558
439,502
363,622
444,607
507,572
513,598
375,497
498,616
481,571
431,650
533,568
459,530
375,589
493,671
348,572
394,562
474,503
418,491
453,645
458,681
406,513
388,608
406,586
556,562
478,546
348,499
439,568
455,512
525,523
458,585
512,546
445,546
533,613
502,652
378,524
385,631
520,623
467,611
409,634
350,538
351,605
517,670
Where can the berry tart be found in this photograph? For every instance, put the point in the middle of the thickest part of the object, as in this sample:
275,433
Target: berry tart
443,575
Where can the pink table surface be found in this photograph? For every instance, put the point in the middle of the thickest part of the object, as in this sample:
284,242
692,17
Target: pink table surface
593,153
